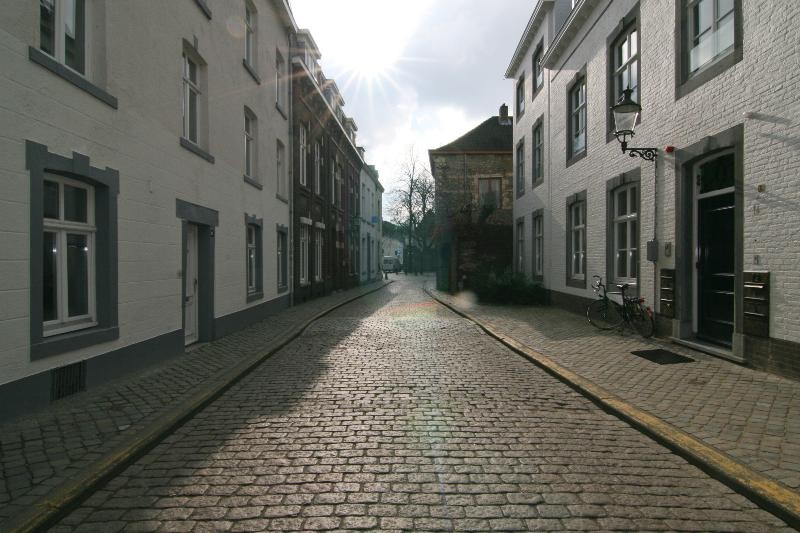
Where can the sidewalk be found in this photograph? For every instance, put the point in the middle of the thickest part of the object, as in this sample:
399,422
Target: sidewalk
43,450
752,416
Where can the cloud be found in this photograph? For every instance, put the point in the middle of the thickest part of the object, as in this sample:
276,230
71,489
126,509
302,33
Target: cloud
415,73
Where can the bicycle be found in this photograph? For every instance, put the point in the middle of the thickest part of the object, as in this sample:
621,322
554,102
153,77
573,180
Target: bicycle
605,313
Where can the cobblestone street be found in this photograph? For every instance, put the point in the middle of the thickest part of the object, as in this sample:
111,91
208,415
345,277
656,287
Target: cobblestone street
395,413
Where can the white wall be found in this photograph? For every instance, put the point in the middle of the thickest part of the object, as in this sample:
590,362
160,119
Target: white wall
142,67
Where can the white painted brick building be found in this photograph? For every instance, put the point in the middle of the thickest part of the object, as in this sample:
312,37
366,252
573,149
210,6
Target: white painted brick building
717,80
141,142
370,214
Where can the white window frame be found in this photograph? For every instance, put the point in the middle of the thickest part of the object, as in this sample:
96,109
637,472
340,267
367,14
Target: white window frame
280,66
577,116
538,245
303,146
251,259
627,219
520,155
190,87
521,246
317,167
282,239
577,227
537,152
520,92
304,237
319,243
250,28
713,33
280,176
61,227
59,36
250,144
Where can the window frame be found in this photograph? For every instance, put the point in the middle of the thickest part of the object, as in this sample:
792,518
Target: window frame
519,247
319,248
105,183
537,245
59,53
280,170
499,196
626,219
251,146
519,170
250,29
303,262
520,92
302,146
63,228
317,167
576,279
630,23
537,153
190,87
572,111
280,89
685,81
282,259
254,279
537,70
629,178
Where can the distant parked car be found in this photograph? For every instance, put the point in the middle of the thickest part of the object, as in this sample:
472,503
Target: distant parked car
392,264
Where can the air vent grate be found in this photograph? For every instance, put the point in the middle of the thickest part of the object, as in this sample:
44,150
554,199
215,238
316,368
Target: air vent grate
67,380
663,357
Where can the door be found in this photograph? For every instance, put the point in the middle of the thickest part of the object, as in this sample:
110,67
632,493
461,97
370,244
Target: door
715,249
190,301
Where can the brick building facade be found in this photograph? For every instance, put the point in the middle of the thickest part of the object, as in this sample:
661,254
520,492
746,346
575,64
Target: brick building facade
474,201
718,211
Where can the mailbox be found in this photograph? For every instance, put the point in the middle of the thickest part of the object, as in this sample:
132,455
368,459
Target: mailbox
667,293
756,304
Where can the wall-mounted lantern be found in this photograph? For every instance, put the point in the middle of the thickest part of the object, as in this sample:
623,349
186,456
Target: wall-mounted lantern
626,112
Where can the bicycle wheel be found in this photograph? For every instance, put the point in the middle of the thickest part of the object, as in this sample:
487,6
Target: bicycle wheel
603,314
642,320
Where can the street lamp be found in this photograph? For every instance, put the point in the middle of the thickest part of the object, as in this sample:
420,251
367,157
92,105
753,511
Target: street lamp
626,112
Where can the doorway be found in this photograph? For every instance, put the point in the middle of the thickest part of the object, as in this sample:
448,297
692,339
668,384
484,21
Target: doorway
190,281
714,279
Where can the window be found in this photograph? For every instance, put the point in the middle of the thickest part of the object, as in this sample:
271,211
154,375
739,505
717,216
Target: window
489,191
625,64
538,245
710,41
710,31
537,153
62,32
250,144
281,171
303,134
280,67
521,95
249,34
304,253
577,119
537,69
520,262
317,167
318,246
520,167
332,171
577,239
625,205
253,258
282,260
68,258
191,99
73,243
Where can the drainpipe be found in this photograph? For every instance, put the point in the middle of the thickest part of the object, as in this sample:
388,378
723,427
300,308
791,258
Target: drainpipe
655,230
290,169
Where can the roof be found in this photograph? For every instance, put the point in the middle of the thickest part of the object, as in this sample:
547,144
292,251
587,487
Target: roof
489,136
536,20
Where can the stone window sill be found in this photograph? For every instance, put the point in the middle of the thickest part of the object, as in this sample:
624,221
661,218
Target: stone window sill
69,75
196,150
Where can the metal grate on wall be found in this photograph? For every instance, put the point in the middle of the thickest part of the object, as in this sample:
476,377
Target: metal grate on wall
67,380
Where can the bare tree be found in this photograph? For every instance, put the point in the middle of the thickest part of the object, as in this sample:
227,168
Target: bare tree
411,206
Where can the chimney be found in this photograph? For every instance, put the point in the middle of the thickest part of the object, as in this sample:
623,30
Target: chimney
503,118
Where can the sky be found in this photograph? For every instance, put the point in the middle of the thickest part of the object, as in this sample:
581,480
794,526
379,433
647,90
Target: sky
415,73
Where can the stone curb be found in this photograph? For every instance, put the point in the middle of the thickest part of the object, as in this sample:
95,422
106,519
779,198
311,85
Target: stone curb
46,511
764,491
